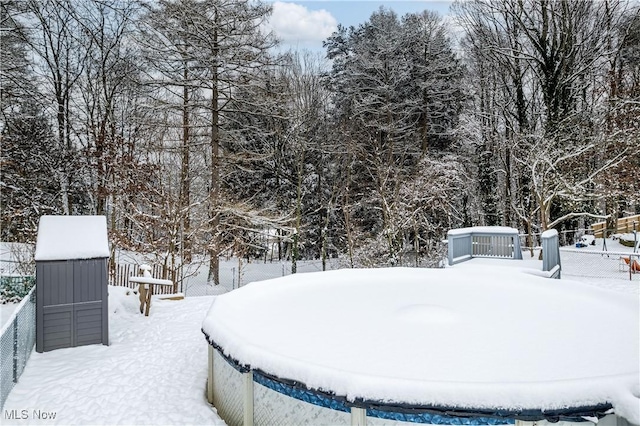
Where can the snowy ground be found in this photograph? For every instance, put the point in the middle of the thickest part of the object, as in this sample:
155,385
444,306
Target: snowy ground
599,264
154,371
596,264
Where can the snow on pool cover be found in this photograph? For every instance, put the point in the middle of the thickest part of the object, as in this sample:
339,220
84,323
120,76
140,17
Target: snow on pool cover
475,340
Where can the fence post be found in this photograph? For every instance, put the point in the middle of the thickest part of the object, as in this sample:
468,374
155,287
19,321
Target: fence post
15,349
233,278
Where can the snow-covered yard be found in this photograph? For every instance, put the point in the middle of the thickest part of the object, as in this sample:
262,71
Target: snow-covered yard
153,372
155,369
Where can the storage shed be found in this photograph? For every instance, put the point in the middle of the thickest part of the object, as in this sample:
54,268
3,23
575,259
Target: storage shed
71,282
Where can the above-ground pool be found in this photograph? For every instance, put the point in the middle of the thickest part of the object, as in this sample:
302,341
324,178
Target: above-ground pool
477,345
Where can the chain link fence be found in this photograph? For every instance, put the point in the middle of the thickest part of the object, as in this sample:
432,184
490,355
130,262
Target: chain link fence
588,257
609,269
16,343
239,272
607,262
533,241
235,273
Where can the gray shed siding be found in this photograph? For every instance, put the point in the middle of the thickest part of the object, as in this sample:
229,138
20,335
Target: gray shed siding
71,303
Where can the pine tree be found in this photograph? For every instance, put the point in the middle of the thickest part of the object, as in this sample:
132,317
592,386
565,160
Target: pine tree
396,91
210,49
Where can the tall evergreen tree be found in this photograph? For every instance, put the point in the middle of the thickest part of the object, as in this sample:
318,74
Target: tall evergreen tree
396,90
217,47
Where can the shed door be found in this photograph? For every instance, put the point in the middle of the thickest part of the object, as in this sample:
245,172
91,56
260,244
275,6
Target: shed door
89,288
55,282
74,295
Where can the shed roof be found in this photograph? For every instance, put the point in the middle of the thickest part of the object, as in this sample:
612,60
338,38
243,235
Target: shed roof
72,237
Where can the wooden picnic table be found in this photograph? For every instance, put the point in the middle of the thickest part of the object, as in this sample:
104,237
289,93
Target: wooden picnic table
145,287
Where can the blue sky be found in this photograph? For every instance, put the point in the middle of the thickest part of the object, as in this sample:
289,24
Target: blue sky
305,24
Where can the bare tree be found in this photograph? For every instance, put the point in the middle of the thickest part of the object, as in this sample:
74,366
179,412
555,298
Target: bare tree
208,49
541,98
58,41
107,75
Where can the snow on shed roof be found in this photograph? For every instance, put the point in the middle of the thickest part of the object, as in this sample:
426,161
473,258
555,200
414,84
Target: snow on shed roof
72,237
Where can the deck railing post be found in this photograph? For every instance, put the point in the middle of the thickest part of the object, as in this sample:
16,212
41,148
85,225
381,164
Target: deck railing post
517,250
551,252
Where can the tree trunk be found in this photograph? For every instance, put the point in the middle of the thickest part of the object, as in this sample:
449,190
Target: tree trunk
214,191
184,173
295,251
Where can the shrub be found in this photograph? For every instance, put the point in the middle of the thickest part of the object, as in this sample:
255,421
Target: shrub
14,288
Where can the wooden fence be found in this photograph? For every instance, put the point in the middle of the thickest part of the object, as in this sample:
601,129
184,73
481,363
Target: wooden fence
598,229
628,224
623,225
120,277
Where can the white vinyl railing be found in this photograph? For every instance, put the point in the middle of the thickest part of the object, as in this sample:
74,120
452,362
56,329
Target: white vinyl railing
551,253
483,241
501,243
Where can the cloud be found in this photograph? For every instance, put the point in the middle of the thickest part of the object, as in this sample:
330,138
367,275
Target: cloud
294,23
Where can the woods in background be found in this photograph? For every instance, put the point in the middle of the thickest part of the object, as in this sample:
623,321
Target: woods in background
179,121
